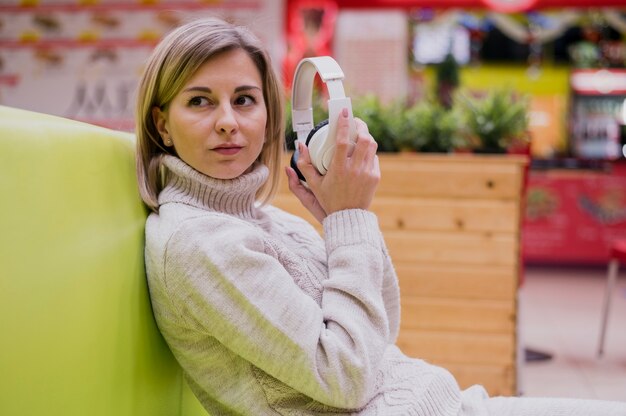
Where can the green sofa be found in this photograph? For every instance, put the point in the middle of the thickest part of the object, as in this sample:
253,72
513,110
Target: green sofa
77,335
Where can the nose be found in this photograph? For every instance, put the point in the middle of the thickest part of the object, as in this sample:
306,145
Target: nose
226,122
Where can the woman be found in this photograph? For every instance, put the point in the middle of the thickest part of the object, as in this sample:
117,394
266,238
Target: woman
265,316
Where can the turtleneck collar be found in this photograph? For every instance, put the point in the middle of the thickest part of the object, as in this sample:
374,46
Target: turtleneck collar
235,196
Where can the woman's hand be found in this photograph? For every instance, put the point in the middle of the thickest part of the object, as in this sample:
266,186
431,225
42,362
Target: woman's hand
351,180
304,194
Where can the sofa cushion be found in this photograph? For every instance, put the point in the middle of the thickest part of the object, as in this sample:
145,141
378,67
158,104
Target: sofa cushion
78,335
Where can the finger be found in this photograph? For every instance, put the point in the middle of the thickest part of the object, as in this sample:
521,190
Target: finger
296,187
359,153
364,151
342,140
361,127
306,167
376,167
373,176
304,195
362,131
371,152
293,181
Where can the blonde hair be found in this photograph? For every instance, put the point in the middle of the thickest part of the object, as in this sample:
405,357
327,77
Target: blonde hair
174,60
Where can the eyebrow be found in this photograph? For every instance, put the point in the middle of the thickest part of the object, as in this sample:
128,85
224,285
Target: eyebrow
208,90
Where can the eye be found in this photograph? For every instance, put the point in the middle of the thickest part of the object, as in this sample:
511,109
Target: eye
245,100
198,101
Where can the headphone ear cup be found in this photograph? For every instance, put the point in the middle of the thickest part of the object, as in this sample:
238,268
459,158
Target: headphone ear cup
315,141
318,133
312,134
294,158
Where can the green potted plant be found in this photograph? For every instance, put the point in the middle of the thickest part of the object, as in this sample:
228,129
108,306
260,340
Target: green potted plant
432,128
426,126
382,120
495,121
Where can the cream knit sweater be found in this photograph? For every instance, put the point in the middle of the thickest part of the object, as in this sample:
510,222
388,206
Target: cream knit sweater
267,318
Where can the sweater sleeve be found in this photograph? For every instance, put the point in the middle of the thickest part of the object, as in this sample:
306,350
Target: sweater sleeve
225,281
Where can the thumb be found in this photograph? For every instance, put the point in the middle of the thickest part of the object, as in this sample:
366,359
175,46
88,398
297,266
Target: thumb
306,167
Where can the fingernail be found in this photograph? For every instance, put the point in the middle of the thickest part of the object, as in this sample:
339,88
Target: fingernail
300,146
344,112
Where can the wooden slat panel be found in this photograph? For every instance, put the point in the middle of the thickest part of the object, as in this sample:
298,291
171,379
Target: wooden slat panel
434,248
452,177
447,176
459,347
395,213
453,248
451,223
474,316
454,281
399,214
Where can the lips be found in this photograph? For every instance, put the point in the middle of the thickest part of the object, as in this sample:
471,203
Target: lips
227,149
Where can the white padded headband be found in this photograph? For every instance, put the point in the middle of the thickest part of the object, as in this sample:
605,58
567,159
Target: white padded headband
302,92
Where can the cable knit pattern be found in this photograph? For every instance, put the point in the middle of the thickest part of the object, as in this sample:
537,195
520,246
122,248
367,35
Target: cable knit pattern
267,318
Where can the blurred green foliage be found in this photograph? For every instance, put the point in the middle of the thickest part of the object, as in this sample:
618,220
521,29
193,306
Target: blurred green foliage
495,119
488,123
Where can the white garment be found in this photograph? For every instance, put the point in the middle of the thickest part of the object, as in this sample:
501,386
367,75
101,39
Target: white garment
266,317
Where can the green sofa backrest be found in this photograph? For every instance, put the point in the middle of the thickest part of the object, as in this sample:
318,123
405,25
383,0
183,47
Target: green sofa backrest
77,335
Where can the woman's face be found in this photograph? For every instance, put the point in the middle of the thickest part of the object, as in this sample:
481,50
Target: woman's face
217,121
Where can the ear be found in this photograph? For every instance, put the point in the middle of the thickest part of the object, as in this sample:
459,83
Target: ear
160,121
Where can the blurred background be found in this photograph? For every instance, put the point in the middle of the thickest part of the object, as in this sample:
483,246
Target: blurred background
544,78
561,62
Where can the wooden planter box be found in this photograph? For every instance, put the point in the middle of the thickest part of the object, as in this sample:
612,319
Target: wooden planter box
452,226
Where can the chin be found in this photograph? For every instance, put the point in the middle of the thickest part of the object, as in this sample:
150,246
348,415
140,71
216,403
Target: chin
226,169
229,174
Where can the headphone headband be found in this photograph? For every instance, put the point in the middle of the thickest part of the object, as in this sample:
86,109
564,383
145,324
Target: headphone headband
319,141
302,92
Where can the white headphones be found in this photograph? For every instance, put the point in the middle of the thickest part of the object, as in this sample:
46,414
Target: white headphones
320,139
